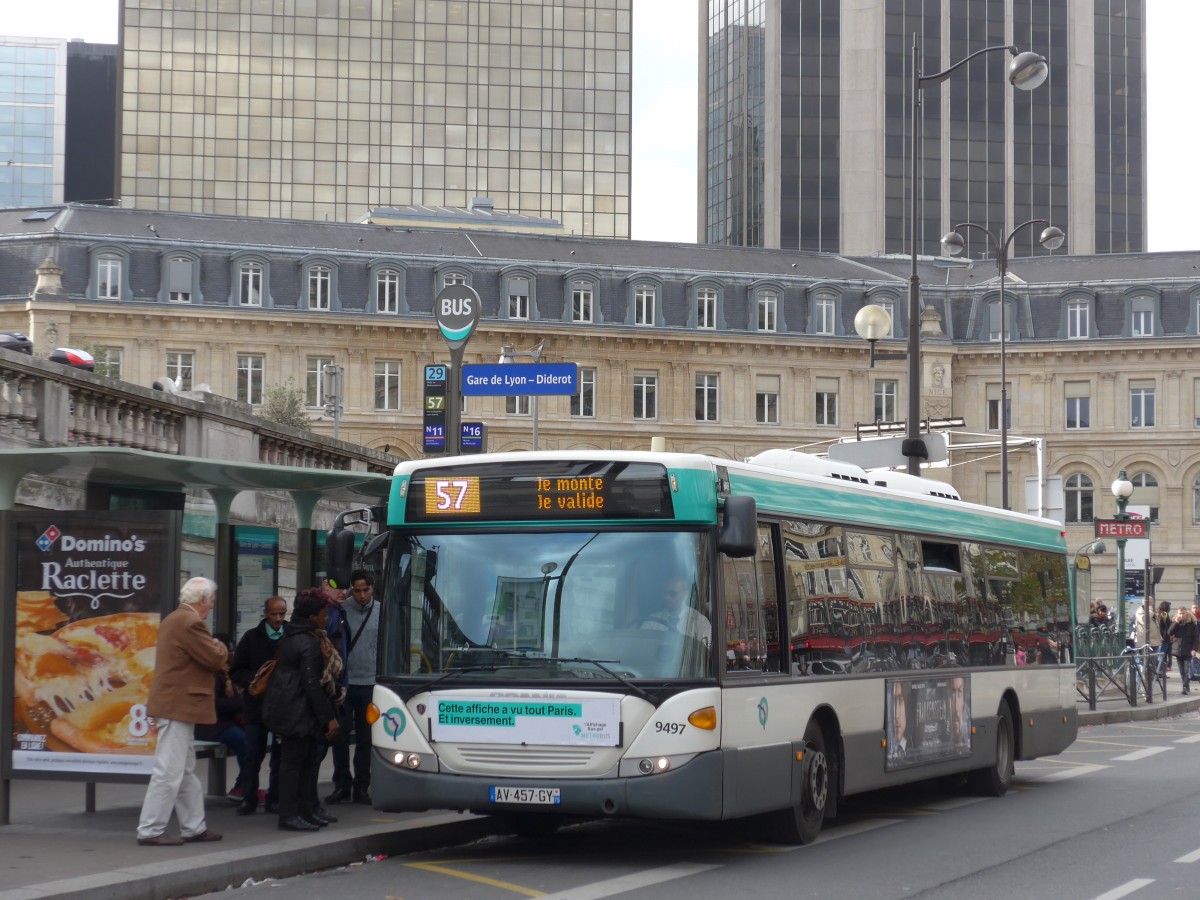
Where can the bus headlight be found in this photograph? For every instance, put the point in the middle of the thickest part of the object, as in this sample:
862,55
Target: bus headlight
409,760
648,766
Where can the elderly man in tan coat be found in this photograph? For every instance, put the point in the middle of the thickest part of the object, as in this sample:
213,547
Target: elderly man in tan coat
181,696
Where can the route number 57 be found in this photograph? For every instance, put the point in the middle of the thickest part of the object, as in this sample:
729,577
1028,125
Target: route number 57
454,495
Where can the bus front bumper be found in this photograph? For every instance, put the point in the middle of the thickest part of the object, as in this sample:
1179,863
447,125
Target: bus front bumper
693,791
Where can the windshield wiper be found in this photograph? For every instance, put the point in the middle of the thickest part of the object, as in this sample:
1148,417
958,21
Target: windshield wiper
598,663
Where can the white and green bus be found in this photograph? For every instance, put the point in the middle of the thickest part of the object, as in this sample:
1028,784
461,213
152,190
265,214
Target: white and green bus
661,635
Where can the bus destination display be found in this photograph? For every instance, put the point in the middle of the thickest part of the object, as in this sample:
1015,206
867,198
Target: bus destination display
445,494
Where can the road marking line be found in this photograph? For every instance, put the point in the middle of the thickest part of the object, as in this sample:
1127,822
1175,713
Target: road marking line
1190,739
631,882
1064,774
1189,857
479,879
1125,889
1141,754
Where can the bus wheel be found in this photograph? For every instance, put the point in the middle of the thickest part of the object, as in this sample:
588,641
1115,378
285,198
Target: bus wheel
533,825
801,823
993,780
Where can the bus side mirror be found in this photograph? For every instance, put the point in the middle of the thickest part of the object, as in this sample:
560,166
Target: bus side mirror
739,527
339,554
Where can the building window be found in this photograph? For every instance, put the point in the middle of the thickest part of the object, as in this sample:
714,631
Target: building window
1080,498
707,395
387,291
250,284
766,399
314,380
645,396
583,404
108,277
517,406
1142,317
827,401
643,305
454,278
179,275
768,311
825,316
1145,493
706,308
1078,319
1141,404
1196,506
889,307
250,379
993,408
1196,402
994,321
885,401
180,368
1079,405
387,384
319,286
109,361
581,302
518,297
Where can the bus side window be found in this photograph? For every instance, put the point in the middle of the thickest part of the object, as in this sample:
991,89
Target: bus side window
752,640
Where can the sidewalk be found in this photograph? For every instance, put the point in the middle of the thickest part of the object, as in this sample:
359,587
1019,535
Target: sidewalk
54,848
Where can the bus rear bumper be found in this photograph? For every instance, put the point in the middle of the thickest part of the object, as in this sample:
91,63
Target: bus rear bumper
693,791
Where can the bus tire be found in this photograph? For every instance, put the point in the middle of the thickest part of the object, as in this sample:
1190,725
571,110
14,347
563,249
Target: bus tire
993,780
800,824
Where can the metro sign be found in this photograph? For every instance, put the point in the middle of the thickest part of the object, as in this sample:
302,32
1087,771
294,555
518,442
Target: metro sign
1130,529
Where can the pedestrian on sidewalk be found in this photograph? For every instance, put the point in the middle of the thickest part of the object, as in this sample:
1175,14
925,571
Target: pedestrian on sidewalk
362,626
257,646
299,708
181,696
1184,637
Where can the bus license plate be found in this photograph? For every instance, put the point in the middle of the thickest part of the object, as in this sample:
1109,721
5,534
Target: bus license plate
534,795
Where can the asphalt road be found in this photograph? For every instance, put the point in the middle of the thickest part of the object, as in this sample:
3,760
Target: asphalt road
1114,816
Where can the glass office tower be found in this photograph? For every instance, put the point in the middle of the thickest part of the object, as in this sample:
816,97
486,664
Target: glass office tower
320,109
33,102
808,132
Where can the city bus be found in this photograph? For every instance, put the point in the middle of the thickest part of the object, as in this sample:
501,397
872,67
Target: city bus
585,634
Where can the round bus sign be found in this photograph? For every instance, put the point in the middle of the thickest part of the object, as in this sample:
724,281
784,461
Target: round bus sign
456,311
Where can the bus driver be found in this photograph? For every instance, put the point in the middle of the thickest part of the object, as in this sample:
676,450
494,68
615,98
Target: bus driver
677,614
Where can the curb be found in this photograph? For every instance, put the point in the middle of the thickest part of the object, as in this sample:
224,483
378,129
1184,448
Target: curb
1162,710
280,859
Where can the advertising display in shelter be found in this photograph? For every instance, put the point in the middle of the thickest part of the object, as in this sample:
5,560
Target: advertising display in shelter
90,589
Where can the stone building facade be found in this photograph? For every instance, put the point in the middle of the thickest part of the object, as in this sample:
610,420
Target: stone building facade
720,350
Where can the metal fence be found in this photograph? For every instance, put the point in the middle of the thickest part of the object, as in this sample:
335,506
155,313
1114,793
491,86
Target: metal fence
1133,674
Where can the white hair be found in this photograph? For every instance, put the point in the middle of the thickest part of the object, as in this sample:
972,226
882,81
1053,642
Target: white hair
197,590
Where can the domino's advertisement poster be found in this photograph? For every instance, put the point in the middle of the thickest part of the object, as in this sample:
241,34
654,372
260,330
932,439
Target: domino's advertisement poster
90,591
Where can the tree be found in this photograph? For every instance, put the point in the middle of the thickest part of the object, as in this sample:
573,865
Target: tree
284,403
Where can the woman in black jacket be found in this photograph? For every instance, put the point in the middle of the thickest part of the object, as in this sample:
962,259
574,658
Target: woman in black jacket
1184,639
298,707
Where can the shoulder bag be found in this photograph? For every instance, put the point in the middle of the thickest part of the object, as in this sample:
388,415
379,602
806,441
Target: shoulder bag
262,678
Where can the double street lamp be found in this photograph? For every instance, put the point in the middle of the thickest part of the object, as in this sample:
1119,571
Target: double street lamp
953,244
1026,71
509,355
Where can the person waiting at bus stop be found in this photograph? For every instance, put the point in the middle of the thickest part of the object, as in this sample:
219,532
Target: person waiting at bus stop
257,646
362,629
1185,638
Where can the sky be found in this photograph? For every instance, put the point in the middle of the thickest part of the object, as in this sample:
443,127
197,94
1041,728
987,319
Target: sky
664,108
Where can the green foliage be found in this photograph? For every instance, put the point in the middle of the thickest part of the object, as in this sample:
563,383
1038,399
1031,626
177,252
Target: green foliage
284,403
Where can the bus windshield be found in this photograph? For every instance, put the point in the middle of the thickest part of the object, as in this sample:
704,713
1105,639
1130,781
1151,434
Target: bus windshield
615,605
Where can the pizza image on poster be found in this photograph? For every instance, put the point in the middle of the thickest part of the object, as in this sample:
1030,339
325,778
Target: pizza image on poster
89,595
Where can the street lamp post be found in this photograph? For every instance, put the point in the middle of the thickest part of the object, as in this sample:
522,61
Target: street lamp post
1122,489
1026,72
952,243
508,355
